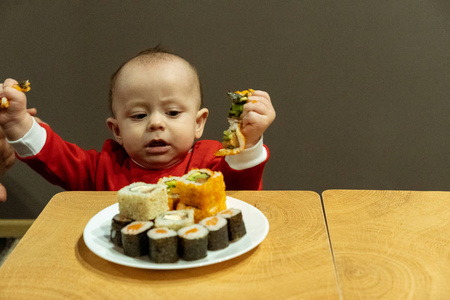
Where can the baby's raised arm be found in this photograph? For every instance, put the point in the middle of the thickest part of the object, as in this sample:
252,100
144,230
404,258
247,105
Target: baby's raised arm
15,121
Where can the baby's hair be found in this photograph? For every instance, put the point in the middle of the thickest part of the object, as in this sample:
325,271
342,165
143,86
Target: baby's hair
149,55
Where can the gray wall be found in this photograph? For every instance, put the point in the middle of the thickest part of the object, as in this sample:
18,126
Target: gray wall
361,88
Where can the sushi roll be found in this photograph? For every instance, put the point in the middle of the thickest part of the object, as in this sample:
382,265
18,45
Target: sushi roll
233,140
175,219
117,223
193,242
236,225
218,232
142,201
163,245
172,191
204,190
135,239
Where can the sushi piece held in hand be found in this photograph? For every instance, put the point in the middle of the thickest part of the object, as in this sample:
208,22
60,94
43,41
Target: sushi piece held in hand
163,245
236,225
218,232
135,239
193,242
233,141
117,223
24,87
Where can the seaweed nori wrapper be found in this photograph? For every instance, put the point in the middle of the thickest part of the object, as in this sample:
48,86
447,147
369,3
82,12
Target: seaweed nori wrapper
117,223
164,250
193,249
136,244
218,232
218,239
236,225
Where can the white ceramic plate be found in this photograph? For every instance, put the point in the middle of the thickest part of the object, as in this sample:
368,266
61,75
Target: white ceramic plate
97,231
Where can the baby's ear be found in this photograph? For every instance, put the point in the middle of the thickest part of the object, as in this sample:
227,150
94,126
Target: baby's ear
200,121
114,127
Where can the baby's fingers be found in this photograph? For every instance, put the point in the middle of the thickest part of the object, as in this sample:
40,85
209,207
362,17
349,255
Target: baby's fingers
260,103
9,82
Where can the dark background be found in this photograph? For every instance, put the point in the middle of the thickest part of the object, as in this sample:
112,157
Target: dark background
361,88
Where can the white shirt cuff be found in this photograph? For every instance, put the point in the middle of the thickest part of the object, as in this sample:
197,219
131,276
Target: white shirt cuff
248,158
32,142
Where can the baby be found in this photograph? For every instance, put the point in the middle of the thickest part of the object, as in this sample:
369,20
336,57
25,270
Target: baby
157,116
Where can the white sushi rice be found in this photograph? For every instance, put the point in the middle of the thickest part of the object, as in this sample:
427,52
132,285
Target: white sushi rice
209,223
175,219
160,233
142,201
228,213
140,225
193,232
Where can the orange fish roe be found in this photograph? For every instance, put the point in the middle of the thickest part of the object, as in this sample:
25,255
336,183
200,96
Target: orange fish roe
245,92
135,227
212,222
23,86
193,230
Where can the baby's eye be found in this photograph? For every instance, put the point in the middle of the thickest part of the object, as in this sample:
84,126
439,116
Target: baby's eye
173,113
138,116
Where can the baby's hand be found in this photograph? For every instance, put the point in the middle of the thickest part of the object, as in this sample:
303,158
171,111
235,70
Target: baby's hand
257,115
15,121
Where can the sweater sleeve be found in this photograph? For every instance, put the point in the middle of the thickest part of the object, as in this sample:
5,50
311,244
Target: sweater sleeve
245,179
64,164
248,158
32,142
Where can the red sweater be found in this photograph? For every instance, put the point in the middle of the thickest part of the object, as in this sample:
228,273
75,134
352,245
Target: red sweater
73,168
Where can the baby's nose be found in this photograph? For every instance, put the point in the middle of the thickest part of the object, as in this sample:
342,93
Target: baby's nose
156,122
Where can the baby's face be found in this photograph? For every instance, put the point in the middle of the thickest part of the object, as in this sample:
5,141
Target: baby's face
157,116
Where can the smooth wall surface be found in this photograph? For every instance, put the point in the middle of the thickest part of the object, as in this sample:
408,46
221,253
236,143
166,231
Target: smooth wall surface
361,88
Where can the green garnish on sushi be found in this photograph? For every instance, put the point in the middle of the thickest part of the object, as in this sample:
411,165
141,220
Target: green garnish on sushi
198,177
171,184
238,99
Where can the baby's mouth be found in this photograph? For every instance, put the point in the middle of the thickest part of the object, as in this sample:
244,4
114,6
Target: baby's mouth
157,146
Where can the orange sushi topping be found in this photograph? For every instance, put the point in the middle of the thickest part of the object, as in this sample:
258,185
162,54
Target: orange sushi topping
193,230
227,212
212,221
135,227
161,231
23,86
245,93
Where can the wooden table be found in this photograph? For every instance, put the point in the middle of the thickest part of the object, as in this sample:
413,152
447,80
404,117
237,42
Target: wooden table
390,244
293,262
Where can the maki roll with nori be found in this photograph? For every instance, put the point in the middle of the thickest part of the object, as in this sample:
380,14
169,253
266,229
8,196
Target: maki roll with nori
135,239
117,223
236,225
175,219
218,232
193,242
163,245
